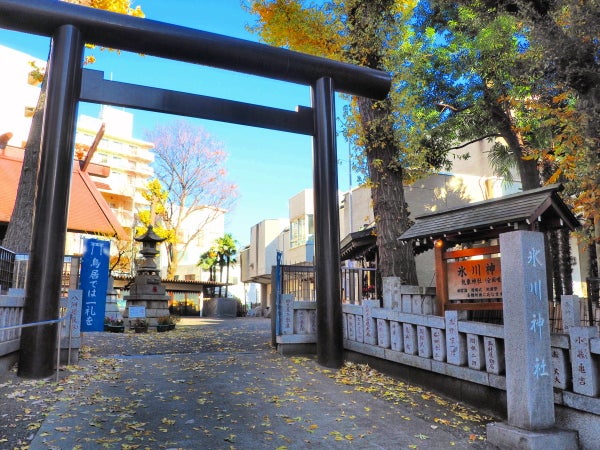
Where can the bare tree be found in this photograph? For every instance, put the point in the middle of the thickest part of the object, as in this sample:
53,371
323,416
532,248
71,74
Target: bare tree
190,167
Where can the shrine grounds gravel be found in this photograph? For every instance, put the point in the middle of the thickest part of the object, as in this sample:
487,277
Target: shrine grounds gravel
218,384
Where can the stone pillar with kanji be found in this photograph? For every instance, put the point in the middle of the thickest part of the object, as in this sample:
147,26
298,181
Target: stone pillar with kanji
529,382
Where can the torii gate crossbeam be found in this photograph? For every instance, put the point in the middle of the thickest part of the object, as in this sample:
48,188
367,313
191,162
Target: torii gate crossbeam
70,26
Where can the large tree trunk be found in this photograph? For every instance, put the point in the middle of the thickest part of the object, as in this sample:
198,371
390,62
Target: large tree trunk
173,261
368,21
396,259
18,233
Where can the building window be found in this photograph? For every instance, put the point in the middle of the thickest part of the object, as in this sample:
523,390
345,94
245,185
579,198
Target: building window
301,228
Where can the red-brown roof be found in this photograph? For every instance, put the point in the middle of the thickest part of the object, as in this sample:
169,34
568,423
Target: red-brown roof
88,211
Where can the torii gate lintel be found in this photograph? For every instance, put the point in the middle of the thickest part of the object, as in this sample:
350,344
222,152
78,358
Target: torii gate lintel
72,25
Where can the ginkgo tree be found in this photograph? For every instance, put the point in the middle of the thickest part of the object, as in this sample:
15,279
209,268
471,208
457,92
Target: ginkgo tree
526,72
521,74
20,227
360,32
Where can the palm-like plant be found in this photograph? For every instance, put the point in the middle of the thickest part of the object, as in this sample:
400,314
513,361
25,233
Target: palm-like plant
227,251
208,261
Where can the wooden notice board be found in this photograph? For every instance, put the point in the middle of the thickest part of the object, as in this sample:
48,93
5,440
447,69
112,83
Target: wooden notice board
474,279
468,279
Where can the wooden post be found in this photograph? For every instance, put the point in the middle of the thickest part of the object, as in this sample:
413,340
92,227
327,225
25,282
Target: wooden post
441,277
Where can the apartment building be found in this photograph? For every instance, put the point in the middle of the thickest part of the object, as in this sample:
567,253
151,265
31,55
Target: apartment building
128,158
121,164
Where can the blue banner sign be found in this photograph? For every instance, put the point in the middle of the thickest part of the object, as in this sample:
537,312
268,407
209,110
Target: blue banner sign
94,283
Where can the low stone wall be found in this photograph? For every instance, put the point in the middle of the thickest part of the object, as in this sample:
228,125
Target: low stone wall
11,314
458,350
219,307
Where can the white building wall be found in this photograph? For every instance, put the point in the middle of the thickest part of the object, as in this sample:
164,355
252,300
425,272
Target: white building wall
18,92
211,223
264,243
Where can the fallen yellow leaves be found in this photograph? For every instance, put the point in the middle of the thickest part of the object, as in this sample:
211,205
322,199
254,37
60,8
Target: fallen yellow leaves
426,404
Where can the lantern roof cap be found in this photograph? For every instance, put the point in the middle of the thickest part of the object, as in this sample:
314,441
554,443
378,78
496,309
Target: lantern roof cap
149,236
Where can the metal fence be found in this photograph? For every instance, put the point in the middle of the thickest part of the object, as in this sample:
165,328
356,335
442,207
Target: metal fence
7,262
589,312
69,277
298,281
357,284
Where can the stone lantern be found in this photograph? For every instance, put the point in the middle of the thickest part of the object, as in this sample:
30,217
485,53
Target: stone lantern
146,289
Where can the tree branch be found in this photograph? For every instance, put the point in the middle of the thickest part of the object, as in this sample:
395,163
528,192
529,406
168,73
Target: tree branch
441,106
475,140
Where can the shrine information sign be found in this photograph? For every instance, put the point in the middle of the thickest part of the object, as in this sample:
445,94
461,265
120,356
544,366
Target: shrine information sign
474,279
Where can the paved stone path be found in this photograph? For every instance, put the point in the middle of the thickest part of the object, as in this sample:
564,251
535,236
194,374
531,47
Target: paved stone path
217,384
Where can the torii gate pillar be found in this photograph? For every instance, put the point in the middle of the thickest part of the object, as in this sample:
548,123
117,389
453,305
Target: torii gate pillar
330,349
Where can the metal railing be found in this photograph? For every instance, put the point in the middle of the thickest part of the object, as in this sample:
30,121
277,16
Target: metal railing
58,339
357,284
7,262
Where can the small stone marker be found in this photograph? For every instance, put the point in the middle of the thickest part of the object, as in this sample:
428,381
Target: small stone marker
73,321
396,337
438,344
360,329
424,341
560,369
455,342
585,369
287,314
410,338
475,352
391,292
494,355
301,324
351,327
383,333
571,315
312,321
370,335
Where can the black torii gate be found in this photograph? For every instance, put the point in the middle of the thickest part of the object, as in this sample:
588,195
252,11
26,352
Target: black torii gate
70,27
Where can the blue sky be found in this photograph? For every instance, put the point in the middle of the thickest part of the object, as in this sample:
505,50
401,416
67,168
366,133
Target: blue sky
268,166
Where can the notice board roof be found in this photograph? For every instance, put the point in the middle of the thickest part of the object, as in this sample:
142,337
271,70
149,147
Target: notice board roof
537,209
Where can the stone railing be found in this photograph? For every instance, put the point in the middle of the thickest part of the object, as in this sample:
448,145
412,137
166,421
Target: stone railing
297,322
470,351
11,314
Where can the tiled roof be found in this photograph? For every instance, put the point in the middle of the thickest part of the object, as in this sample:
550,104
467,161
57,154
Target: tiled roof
88,211
358,243
542,206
